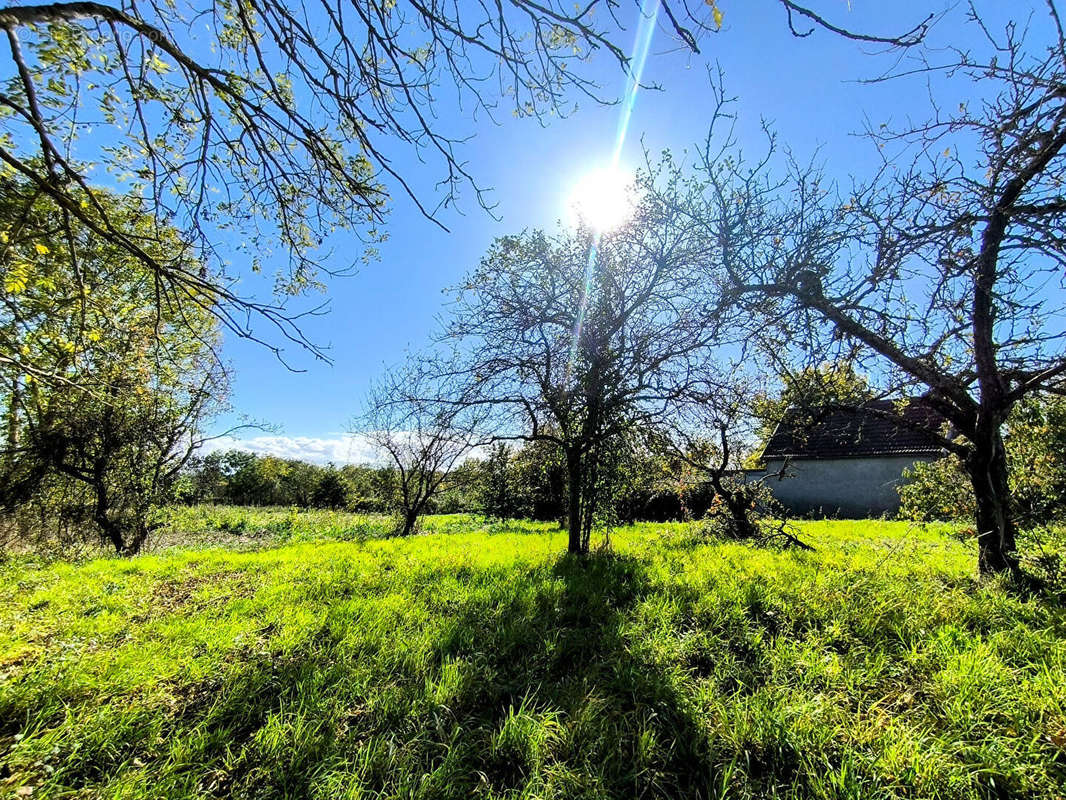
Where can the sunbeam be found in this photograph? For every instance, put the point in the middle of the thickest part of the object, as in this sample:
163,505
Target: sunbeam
603,199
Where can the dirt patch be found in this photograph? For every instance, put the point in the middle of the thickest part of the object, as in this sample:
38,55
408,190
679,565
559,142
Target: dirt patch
187,593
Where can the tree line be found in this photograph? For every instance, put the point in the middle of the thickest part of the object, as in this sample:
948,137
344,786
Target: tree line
529,481
508,482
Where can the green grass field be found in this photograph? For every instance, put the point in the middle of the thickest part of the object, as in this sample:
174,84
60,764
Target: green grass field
478,661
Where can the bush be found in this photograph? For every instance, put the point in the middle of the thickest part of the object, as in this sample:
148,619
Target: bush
1045,557
331,491
760,518
1036,450
936,491
1036,453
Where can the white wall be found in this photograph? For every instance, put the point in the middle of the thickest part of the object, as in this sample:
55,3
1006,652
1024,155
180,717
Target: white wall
846,487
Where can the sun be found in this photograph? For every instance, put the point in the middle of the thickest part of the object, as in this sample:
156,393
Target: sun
602,199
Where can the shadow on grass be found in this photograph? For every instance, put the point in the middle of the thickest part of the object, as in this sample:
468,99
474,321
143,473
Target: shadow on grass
560,696
529,685
537,692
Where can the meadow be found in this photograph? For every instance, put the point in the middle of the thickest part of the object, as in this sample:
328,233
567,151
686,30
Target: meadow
281,654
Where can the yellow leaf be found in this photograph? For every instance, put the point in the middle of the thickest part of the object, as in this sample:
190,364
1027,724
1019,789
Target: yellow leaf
42,250
716,13
16,279
947,152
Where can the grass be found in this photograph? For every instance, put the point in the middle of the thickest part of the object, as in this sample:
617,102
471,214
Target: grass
476,661
242,529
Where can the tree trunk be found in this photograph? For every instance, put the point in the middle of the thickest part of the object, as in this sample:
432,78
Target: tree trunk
410,519
13,420
111,529
135,541
987,466
739,511
574,477
737,503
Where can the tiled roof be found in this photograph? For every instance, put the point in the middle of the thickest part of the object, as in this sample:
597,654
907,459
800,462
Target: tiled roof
860,432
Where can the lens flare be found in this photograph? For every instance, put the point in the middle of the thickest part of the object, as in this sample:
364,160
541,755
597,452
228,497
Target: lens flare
602,199
595,204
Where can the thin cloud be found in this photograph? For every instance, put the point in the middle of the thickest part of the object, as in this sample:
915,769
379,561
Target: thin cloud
326,450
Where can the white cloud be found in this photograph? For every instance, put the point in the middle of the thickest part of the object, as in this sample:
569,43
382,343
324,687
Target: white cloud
341,449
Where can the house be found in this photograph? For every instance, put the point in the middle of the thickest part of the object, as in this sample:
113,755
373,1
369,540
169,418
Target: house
848,462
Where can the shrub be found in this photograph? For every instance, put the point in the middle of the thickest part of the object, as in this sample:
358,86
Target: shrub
748,513
936,490
1036,452
331,491
1045,556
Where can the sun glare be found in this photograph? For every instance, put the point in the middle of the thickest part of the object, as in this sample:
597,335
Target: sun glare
602,199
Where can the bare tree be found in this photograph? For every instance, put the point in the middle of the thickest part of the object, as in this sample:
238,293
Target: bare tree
276,122
944,271
579,338
713,432
424,438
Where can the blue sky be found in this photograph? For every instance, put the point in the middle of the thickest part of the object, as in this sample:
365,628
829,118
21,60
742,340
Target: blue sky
807,88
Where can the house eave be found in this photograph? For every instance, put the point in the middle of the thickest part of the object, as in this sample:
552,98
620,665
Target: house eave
852,456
